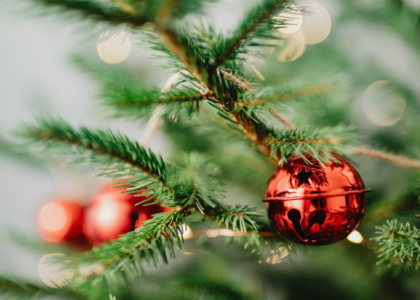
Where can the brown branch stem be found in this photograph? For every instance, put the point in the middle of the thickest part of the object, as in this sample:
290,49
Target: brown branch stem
392,158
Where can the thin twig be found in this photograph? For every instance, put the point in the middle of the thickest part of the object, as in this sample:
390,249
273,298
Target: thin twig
242,84
392,158
286,123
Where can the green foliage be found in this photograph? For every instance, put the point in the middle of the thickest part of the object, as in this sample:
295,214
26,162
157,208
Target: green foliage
123,96
155,239
238,218
399,244
258,24
99,146
132,12
320,144
97,11
237,116
18,289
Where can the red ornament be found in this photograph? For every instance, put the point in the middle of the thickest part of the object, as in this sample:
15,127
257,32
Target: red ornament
61,221
113,212
315,205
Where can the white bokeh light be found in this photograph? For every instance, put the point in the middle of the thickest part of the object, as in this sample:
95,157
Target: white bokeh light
114,47
293,20
383,104
52,272
355,237
316,24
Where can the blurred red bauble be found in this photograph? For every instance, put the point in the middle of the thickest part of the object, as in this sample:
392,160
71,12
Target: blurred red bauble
61,221
313,204
113,213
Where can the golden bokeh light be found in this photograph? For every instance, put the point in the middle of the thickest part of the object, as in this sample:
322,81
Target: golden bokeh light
187,232
316,24
114,48
293,48
277,257
293,20
289,48
355,237
53,272
383,104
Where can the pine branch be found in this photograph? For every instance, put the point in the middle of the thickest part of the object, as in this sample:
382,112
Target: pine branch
184,47
399,244
320,145
133,13
249,28
392,158
155,239
136,103
362,151
101,146
17,289
238,218
96,11
272,95
192,185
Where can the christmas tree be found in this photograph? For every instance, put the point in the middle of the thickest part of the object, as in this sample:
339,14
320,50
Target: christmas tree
236,107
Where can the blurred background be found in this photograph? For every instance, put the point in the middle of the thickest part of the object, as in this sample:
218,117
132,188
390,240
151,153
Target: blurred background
373,46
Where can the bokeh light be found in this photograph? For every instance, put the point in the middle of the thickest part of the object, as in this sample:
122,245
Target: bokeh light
53,271
293,48
288,47
316,25
53,217
278,256
383,104
293,20
355,237
187,232
114,48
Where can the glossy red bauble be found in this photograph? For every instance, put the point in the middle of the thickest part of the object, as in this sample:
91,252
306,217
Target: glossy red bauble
113,213
61,221
313,204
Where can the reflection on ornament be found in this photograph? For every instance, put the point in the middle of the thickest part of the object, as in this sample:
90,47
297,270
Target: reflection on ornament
293,20
289,47
114,48
383,104
355,237
53,271
316,25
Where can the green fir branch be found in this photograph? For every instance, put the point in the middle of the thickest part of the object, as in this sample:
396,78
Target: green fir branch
98,146
98,11
278,94
399,244
140,102
320,144
193,184
258,23
18,289
154,240
238,218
